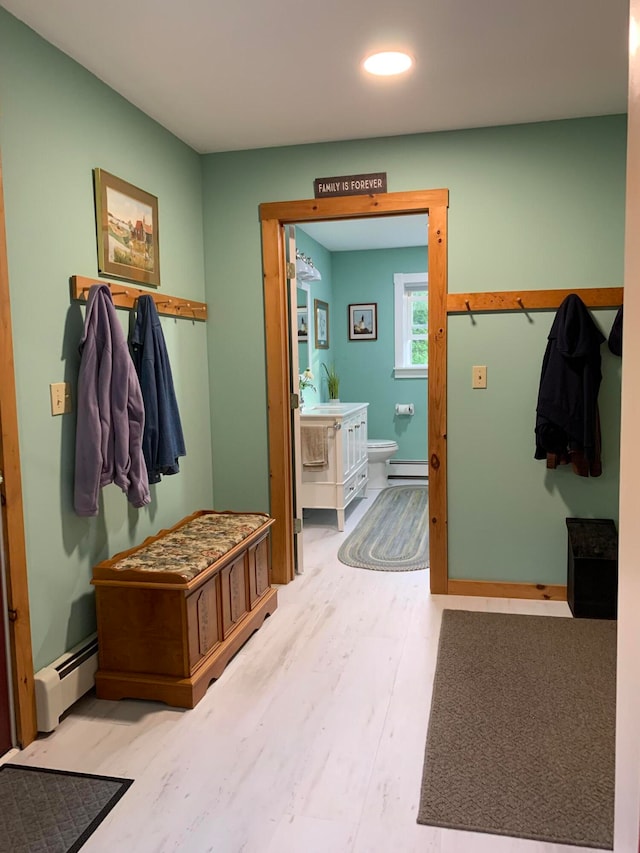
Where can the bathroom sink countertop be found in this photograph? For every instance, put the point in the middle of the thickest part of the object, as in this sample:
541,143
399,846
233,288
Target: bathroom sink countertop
319,410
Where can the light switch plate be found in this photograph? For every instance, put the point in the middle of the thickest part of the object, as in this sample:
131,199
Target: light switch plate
479,376
60,398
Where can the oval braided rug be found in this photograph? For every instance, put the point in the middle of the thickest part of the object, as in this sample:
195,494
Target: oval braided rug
393,536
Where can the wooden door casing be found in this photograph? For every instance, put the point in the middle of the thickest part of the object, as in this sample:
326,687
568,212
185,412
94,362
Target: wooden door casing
17,602
5,707
274,217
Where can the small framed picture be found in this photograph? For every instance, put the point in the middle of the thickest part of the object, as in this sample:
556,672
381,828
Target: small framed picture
321,311
303,324
363,321
127,230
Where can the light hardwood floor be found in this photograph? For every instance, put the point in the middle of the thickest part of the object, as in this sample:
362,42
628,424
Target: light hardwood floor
312,740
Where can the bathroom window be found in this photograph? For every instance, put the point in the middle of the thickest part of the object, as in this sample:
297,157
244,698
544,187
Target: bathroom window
411,325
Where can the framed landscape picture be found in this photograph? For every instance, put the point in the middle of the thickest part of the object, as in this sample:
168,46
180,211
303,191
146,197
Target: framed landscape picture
127,230
303,323
321,311
363,321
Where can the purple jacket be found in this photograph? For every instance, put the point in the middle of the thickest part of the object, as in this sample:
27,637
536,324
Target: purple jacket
110,411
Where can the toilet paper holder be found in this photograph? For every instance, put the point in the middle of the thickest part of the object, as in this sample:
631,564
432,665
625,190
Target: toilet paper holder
405,409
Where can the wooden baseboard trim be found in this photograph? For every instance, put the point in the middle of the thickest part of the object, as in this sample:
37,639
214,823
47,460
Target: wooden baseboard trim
498,589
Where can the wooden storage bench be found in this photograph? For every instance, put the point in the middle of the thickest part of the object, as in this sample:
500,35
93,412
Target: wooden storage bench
174,610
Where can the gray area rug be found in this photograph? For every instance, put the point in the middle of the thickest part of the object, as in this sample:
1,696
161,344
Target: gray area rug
52,811
521,737
393,535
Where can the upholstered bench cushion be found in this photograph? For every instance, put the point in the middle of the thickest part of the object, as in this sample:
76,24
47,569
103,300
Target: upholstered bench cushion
193,547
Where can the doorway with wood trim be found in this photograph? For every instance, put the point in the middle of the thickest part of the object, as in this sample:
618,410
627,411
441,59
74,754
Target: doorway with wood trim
274,217
17,593
7,735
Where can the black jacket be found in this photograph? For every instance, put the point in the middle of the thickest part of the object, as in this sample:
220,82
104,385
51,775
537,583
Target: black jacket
615,336
567,423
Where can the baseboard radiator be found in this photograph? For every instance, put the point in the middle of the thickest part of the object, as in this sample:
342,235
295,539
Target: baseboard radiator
410,468
64,681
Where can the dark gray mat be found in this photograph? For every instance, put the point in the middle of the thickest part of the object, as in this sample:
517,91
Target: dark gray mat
521,736
393,535
52,811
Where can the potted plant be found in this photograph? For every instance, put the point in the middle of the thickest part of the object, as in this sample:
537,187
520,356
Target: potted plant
305,380
333,382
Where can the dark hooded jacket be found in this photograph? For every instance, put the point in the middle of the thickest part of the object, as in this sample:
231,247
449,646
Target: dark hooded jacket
162,442
615,336
567,423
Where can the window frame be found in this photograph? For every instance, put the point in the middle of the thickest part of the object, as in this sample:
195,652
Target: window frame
403,284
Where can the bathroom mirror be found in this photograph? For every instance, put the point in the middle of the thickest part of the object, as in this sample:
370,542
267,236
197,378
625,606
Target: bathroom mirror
305,325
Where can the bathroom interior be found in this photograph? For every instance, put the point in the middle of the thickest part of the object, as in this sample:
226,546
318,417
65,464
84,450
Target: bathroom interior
375,432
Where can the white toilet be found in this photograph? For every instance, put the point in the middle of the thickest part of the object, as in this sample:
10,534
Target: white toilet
379,452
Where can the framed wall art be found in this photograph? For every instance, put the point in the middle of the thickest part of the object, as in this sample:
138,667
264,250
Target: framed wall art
363,321
303,323
127,230
321,313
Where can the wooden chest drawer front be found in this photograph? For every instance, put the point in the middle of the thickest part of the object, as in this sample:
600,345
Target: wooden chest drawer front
258,570
141,630
164,635
233,580
203,620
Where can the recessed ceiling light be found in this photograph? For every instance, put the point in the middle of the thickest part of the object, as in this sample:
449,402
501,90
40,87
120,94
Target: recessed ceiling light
387,63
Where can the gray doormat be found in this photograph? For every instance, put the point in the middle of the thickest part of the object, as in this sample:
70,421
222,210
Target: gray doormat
52,811
393,535
521,736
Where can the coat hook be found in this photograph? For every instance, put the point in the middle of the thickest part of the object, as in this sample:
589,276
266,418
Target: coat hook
472,318
526,313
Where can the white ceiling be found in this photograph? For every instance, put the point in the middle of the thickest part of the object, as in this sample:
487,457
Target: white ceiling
387,232
259,73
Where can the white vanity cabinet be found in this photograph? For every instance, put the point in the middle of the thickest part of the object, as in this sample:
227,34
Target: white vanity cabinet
345,475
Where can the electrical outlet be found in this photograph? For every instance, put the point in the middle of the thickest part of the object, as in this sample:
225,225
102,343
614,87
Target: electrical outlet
479,376
60,398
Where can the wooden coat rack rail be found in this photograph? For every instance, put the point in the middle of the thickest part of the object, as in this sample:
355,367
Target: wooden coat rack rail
125,296
531,300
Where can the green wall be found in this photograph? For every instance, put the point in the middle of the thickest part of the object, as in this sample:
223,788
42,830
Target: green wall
531,206
58,122
508,510
367,366
324,291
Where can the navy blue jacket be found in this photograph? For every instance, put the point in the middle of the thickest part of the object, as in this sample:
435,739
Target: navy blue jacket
567,422
615,335
162,442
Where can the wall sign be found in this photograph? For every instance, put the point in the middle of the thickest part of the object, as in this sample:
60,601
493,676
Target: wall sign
373,182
